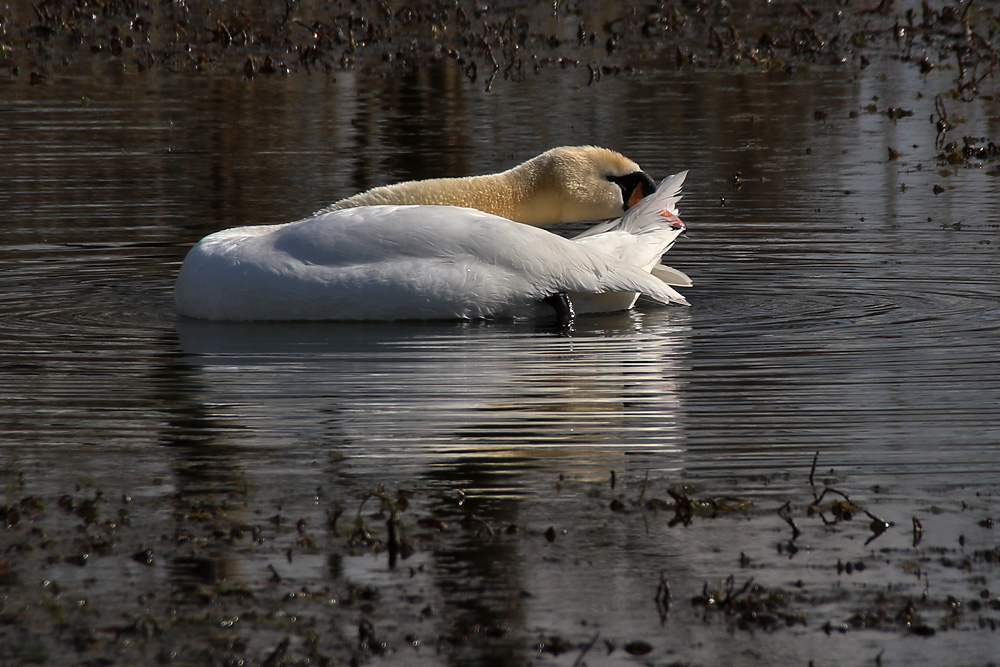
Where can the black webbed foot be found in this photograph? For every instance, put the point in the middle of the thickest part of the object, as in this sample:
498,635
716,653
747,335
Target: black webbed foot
561,303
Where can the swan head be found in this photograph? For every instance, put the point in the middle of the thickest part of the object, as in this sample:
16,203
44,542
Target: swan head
590,183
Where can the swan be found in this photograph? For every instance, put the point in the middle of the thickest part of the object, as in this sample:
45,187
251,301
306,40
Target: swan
391,262
565,184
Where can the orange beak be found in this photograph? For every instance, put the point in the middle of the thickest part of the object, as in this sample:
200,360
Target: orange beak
636,196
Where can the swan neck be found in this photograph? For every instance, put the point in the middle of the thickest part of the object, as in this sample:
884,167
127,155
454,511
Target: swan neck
526,193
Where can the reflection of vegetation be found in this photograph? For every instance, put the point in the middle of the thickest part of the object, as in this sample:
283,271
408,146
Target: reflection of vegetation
502,39
751,605
250,583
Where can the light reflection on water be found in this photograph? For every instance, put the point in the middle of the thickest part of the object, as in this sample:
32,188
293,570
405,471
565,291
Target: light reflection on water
413,392
834,310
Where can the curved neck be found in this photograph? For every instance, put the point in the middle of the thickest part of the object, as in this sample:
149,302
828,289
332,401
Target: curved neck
524,194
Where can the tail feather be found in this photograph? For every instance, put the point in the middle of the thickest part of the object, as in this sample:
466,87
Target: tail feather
671,276
624,277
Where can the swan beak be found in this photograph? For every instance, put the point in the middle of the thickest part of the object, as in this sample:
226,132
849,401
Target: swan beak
644,187
636,196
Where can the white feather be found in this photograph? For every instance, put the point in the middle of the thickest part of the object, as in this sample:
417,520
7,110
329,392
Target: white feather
422,262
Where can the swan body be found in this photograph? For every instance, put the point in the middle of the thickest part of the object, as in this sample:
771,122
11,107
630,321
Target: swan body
393,262
565,184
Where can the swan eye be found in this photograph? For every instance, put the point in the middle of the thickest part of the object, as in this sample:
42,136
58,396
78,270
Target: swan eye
634,187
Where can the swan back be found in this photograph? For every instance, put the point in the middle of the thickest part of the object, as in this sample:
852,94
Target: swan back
396,262
565,184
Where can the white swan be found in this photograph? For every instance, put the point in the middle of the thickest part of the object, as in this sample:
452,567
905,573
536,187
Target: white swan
566,184
430,262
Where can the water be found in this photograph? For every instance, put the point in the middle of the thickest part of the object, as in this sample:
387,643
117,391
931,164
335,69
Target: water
843,309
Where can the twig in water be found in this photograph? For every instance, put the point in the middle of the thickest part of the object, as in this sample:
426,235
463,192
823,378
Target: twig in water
585,650
484,526
645,487
683,508
782,512
812,473
663,597
877,526
392,525
841,511
730,585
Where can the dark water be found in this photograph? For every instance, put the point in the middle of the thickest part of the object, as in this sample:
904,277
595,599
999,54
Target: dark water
843,305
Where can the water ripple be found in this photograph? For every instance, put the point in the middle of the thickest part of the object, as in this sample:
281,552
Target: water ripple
831,310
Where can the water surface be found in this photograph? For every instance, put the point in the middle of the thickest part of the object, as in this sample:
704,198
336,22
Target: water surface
843,307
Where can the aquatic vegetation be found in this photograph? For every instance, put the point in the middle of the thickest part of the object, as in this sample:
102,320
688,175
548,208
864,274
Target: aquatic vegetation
500,40
750,606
